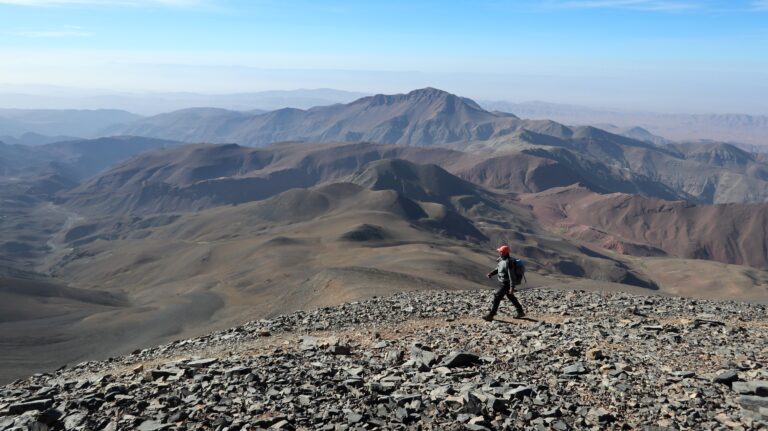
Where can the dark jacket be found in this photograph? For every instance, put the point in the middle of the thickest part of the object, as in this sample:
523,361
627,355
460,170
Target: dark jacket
503,271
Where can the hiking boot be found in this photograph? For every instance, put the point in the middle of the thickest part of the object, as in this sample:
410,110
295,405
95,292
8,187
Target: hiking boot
520,315
488,317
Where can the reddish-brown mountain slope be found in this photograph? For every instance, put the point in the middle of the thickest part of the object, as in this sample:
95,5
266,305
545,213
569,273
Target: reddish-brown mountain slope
730,233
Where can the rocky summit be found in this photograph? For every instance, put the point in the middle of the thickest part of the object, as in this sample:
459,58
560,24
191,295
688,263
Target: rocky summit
424,360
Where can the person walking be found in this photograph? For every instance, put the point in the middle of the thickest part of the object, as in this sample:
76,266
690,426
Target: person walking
507,276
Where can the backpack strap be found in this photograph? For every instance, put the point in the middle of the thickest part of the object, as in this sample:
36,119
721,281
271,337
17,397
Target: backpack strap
509,272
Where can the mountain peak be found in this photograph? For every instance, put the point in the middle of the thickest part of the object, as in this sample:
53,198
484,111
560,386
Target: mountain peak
425,96
435,94
430,92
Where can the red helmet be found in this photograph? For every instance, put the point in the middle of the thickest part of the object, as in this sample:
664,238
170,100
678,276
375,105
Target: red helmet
503,250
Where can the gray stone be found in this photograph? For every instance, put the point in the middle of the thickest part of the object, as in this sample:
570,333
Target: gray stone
354,418
471,404
706,322
237,371
753,402
742,388
439,393
478,423
595,354
74,420
727,377
340,349
282,424
50,416
152,425
202,363
575,369
422,355
600,416
496,404
394,357
161,374
755,387
760,387
30,405
406,399
459,359
521,391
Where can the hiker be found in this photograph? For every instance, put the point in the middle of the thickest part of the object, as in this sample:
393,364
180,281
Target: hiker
507,274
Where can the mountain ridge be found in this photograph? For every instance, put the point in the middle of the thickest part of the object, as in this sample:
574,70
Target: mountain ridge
84,123
728,233
420,117
434,118
743,128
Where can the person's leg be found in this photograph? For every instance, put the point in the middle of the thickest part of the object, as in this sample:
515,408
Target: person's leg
516,303
497,297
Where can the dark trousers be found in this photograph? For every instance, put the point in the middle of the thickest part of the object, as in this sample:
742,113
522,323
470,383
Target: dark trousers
500,294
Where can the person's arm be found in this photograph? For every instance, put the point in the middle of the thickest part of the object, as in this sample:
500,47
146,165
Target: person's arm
492,273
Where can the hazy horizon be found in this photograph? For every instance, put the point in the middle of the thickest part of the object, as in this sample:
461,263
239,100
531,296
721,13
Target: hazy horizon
35,97
672,56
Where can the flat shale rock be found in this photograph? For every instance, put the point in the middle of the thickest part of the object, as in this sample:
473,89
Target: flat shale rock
727,377
425,360
751,388
460,359
575,369
202,363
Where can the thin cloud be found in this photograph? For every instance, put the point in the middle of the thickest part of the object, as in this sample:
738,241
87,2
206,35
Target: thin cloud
760,5
641,5
66,31
51,34
54,3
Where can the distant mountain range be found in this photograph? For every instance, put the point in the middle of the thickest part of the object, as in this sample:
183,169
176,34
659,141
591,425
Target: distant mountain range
747,131
31,138
548,153
75,159
422,117
18,123
68,116
157,103
431,117
736,128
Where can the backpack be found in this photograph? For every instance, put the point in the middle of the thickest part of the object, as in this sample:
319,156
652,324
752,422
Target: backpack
517,273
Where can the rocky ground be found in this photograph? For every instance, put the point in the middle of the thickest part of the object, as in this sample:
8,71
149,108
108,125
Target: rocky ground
424,360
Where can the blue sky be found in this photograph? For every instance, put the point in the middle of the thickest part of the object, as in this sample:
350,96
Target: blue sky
663,55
